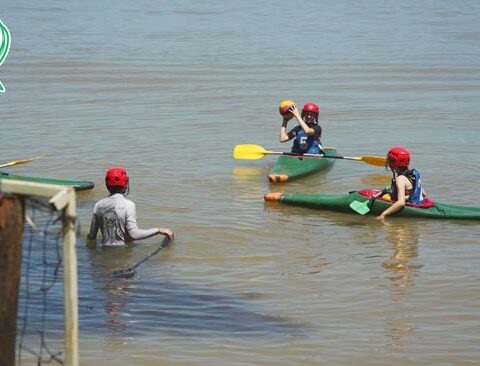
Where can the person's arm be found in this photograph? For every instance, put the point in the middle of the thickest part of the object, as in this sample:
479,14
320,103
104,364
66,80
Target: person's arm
284,136
139,234
318,135
308,130
401,183
92,233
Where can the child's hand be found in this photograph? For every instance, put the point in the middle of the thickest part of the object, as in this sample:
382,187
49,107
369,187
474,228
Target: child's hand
166,232
294,111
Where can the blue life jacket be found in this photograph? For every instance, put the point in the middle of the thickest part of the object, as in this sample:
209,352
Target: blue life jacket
305,144
415,194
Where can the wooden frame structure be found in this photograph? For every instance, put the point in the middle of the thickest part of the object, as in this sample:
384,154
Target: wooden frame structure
60,198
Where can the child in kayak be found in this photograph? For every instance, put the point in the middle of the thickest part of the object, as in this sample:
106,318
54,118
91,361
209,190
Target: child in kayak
116,217
406,185
308,132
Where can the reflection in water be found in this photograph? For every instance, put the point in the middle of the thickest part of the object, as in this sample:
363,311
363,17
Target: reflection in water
116,302
150,303
103,262
404,239
249,174
250,184
245,172
376,180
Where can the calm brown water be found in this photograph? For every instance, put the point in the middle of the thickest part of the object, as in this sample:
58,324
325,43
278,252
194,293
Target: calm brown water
167,89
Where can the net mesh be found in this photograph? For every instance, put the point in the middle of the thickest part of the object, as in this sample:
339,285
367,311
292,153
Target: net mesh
40,322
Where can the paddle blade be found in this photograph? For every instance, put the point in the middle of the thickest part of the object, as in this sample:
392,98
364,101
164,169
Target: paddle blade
18,162
375,160
124,273
360,207
249,152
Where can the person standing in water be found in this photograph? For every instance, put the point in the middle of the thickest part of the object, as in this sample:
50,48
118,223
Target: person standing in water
116,217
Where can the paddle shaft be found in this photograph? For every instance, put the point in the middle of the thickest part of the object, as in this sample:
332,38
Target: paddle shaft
372,160
18,162
131,270
163,244
314,156
378,195
255,152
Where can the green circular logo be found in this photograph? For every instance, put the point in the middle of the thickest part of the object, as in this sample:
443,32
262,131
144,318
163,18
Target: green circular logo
4,47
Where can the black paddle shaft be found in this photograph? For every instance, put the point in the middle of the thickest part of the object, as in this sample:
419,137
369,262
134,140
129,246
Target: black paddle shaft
130,272
321,155
378,195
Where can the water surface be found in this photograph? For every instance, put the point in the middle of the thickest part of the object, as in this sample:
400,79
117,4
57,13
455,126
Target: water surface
167,89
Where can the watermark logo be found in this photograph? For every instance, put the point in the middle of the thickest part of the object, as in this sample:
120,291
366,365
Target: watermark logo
4,47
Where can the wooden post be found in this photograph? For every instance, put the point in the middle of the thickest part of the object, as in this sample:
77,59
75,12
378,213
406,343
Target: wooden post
70,282
11,230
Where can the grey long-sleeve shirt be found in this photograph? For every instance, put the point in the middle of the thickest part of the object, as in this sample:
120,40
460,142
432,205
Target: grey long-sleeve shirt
116,218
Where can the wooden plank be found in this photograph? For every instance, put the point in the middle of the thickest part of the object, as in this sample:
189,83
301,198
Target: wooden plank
30,188
70,281
11,230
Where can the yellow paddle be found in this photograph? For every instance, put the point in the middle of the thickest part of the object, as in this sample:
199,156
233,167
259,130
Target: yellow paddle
255,152
18,162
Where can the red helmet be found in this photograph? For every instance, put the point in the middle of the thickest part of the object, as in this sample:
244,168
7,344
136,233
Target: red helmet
116,177
398,157
311,107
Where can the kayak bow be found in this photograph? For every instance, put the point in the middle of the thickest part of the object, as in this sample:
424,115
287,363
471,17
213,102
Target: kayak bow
291,167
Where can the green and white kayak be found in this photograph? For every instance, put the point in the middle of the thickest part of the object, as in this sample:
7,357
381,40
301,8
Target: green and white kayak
79,185
290,167
341,203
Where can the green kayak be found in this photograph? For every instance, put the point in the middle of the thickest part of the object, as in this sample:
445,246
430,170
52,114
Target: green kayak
290,167
341,203
79,185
